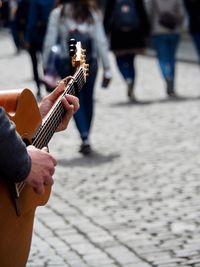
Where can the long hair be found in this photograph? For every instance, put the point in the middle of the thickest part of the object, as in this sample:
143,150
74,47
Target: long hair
81,9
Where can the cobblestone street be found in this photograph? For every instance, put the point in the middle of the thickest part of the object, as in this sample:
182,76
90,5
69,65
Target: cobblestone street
136,201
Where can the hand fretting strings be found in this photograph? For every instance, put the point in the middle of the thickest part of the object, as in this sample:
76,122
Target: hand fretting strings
48,128
50,125
54,117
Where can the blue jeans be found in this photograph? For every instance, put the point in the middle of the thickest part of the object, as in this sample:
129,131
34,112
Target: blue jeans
126,66
196,38
166,47
83,117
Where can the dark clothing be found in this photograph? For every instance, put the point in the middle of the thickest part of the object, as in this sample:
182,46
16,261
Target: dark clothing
193,10
127,40
18,23
196,39
38,15
15,163
39,11
22,15
126,66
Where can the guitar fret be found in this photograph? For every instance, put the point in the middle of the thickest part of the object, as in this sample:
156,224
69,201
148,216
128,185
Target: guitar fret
49,127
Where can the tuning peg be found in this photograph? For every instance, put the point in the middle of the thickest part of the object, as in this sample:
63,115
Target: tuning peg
72,50
86,69
72,41
83,51
83,56
72,47
86,66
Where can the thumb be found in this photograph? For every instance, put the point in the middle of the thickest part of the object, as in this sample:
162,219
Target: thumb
45,149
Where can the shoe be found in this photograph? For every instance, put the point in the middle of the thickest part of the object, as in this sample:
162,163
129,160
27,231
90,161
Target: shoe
130,93
173,96
85,149
170,87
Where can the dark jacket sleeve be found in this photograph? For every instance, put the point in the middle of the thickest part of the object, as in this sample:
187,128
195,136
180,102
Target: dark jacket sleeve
38,15
193,9
15,163
108,16
145,23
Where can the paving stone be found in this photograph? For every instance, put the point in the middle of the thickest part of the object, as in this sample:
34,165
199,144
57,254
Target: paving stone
122,255
139,264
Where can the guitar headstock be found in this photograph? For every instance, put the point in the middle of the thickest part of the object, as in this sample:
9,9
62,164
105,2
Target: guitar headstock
78,56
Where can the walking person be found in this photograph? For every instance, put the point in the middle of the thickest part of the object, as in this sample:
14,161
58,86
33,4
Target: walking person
38,15
20,21
193,11
13,6
127,26
166,22
4,15
82,20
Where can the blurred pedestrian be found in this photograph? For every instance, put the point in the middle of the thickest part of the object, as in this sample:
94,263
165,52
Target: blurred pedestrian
81,19
127,26
18,19
4,15
166,18
38,15
193,11
13,5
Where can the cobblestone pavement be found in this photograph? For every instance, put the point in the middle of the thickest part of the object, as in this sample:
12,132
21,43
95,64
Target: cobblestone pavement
136,201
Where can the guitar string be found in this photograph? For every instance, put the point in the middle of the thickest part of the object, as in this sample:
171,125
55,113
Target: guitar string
59,113
70,91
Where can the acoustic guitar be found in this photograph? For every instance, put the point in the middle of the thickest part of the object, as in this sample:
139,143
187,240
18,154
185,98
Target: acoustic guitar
18,201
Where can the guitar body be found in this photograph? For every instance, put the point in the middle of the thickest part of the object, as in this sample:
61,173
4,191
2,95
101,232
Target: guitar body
22,109
16,229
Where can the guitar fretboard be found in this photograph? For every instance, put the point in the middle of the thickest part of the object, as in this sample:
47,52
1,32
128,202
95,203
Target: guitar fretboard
56,114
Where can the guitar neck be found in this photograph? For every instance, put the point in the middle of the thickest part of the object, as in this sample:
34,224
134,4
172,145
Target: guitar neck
56,114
